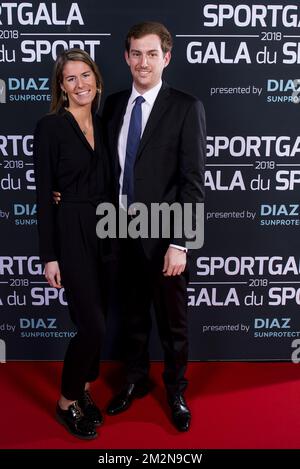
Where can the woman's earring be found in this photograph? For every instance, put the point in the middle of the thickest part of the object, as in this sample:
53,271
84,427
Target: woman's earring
99,90
65,97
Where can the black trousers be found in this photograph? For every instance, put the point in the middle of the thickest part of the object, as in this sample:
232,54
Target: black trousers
143,283
82,276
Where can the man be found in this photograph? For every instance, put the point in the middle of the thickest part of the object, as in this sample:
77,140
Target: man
166,165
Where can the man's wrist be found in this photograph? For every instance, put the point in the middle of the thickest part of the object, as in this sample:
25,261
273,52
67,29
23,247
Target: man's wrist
180,248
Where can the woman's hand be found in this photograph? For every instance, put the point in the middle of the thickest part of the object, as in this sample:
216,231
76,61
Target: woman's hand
56,197
52,274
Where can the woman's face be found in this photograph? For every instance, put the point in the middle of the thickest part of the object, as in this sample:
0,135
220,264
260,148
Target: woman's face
79,82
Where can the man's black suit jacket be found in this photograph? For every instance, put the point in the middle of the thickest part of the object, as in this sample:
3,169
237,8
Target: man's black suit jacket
170,161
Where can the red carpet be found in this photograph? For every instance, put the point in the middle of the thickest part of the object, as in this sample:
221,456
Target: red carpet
234,405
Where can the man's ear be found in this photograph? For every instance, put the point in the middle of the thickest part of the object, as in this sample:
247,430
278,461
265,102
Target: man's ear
126,55
167,58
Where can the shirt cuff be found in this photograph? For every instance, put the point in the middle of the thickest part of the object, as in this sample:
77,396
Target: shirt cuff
181,248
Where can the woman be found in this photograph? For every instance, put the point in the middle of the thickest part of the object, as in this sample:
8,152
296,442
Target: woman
70,158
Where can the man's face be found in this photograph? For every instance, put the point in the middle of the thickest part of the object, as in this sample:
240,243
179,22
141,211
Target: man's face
146,61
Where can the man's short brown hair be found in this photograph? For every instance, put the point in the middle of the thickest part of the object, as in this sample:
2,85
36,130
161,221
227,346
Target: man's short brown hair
150,27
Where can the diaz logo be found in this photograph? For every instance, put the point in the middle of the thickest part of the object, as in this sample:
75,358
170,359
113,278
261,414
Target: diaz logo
2,91
25,89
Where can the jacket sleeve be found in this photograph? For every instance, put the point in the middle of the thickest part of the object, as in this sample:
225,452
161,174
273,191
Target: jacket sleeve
45,155
192,166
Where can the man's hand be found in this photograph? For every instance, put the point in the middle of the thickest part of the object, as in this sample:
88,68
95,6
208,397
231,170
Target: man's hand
56,197
174,262
52,274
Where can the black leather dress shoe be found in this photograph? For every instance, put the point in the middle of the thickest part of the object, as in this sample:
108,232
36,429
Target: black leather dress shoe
90,410
122,401
181,415
75,422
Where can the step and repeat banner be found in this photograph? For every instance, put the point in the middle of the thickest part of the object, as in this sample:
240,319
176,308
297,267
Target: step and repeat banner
242,60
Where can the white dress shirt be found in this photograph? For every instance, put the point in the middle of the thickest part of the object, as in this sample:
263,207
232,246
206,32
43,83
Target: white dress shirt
150,97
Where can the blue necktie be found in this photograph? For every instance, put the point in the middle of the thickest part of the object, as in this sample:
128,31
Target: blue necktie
133,141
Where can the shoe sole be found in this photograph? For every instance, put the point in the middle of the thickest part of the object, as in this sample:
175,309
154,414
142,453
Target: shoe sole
60,420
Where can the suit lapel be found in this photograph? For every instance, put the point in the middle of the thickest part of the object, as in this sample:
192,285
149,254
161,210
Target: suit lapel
116,125
160,106
119,115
